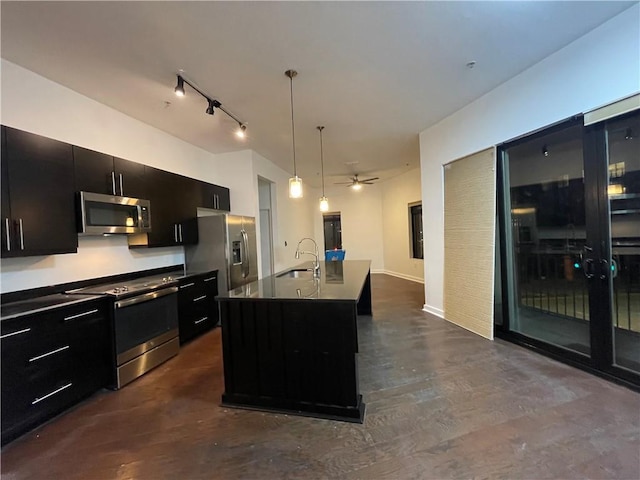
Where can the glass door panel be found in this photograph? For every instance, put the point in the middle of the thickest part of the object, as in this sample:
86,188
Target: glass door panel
545,201
623,147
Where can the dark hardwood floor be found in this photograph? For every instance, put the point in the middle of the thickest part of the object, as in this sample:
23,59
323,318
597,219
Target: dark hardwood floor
441,403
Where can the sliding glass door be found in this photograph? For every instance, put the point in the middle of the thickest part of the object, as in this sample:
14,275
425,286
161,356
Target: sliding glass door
570,242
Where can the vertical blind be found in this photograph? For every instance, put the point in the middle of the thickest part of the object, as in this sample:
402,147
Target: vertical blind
469,241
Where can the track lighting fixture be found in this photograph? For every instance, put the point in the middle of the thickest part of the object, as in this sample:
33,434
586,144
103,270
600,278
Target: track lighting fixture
324,201
241,129
212,104
545,151
295,182
180,87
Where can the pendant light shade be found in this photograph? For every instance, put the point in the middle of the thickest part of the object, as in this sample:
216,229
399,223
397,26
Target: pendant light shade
324,201
295,182
295,187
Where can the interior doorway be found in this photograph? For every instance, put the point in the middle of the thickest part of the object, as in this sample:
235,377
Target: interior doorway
265,196
332,231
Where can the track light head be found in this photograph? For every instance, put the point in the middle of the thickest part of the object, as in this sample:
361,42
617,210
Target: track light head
241,130
545,151
179,87
210,110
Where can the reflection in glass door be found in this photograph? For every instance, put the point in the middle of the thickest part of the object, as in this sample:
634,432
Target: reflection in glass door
623,192
570,243
545,196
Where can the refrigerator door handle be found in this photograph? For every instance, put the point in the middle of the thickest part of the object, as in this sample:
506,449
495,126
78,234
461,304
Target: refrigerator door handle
245,256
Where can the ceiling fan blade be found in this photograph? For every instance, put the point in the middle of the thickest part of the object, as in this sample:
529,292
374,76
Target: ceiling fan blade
369,179
343,183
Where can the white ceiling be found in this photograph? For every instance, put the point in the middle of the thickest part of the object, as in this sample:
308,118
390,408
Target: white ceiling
375,74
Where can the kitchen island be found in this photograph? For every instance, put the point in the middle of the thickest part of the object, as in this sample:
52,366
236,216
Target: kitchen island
290,341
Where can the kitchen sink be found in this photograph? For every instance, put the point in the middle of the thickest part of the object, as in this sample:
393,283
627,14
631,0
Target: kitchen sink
304,273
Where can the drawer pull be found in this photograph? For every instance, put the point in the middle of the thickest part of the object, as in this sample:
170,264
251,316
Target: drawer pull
66,319
187,285
200,321
199,298
209,279
37,400
48,353
15,333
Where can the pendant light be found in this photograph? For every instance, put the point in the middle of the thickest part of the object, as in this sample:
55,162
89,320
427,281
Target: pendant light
295,182
324,201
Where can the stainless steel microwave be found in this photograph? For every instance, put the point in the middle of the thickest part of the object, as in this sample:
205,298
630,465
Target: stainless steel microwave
100,214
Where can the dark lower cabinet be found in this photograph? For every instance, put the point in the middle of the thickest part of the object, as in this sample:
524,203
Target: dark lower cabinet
197,307
50,361
38,199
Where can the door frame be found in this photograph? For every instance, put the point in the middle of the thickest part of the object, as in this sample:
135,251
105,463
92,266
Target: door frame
600,360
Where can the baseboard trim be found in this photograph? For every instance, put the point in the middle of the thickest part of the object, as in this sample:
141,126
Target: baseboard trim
433,311
400,275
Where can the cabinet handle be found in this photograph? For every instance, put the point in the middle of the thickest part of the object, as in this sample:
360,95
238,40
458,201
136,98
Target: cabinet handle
83,314
37,400
15,333
175,232
21,234
8,234
199,298
187,285
200,321
180,231
121,185
113,183
49,353
209,279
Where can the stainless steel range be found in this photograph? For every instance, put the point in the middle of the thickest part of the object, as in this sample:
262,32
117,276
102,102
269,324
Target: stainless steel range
145,321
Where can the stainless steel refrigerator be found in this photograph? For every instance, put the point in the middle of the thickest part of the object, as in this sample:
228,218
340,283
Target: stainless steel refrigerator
227,243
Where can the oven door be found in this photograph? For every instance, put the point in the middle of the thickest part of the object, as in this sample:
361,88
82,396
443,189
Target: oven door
145,321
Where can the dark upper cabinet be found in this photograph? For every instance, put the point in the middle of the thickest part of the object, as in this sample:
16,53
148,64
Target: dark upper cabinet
101,173
6,204
38,188
174,200
215,197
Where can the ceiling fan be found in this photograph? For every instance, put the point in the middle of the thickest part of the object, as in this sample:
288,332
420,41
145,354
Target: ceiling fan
356,183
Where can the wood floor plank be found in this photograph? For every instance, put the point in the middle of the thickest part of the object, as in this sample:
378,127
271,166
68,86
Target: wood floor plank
441,403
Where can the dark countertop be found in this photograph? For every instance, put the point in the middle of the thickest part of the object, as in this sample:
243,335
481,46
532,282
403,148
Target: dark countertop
41,304
340,281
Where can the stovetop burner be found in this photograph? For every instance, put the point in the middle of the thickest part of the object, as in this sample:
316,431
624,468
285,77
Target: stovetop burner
129,287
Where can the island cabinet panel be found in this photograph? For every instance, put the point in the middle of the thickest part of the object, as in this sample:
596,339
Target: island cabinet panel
292,356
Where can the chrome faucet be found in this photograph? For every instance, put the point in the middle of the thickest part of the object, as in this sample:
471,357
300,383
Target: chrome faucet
316,262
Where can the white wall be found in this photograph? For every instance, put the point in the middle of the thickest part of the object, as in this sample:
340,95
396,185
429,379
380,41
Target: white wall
596,69
361,220
397,194
33,103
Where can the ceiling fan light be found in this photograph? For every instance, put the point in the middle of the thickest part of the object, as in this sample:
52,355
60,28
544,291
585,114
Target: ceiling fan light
356,186
295,187
324,204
